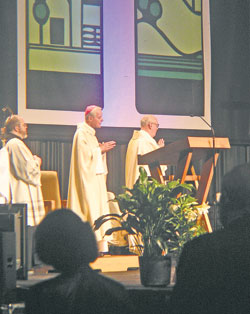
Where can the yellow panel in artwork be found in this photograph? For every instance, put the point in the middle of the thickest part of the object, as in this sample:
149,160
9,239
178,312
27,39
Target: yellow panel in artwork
179,23
64,61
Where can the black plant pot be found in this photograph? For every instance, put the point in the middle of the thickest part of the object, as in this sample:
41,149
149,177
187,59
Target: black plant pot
155,271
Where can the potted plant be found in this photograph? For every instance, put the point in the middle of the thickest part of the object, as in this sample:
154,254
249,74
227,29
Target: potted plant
161,218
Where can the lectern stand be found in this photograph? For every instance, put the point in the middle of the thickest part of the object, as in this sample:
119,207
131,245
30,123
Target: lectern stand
181,154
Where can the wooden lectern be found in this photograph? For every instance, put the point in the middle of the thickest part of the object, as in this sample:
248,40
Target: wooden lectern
181,154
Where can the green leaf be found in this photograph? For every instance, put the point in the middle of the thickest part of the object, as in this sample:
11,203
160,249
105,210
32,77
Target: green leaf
160,213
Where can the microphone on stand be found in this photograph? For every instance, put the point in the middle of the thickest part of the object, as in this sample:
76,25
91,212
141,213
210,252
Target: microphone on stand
213,135
214,151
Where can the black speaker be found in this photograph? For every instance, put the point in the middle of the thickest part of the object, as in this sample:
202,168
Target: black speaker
7,263
13,218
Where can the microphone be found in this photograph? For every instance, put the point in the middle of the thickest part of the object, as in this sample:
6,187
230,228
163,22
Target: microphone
204,120
209,125
213,133
214,151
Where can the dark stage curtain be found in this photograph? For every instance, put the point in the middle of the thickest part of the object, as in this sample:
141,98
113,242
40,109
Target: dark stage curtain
56,156
230,48
228,159
230,86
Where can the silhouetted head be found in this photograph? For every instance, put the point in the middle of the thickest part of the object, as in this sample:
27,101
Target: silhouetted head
235,194
64,241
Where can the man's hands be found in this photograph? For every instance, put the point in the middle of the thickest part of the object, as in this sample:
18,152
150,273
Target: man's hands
161,142
107,146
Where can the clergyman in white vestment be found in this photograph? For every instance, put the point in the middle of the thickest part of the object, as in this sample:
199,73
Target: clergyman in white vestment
87,192
142,142
25,185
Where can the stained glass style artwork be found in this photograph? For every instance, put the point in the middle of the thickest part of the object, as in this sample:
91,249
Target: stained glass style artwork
64,54
169,57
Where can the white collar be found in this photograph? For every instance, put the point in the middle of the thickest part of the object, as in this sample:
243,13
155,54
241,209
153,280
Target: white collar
146,135
86,127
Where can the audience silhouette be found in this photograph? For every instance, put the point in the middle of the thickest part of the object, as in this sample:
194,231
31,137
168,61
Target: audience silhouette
67,243
213,273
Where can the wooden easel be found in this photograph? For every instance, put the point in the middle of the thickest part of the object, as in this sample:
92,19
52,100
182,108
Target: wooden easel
181,154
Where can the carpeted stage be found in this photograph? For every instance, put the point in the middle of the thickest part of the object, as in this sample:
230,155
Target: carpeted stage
123,269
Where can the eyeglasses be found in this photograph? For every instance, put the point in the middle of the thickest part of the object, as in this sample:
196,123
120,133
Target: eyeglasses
157,124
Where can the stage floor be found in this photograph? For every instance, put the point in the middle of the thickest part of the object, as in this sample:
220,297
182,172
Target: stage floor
130,278
122,268
146,300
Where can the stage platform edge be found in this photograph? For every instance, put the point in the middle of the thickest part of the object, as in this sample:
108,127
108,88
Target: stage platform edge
113,263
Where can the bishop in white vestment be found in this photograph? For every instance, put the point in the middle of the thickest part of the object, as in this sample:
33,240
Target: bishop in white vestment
87,192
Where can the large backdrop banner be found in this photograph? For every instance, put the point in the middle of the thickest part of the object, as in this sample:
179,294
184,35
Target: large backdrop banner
130,57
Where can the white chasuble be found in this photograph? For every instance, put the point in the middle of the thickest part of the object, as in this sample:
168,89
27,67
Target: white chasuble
87,192
141,143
